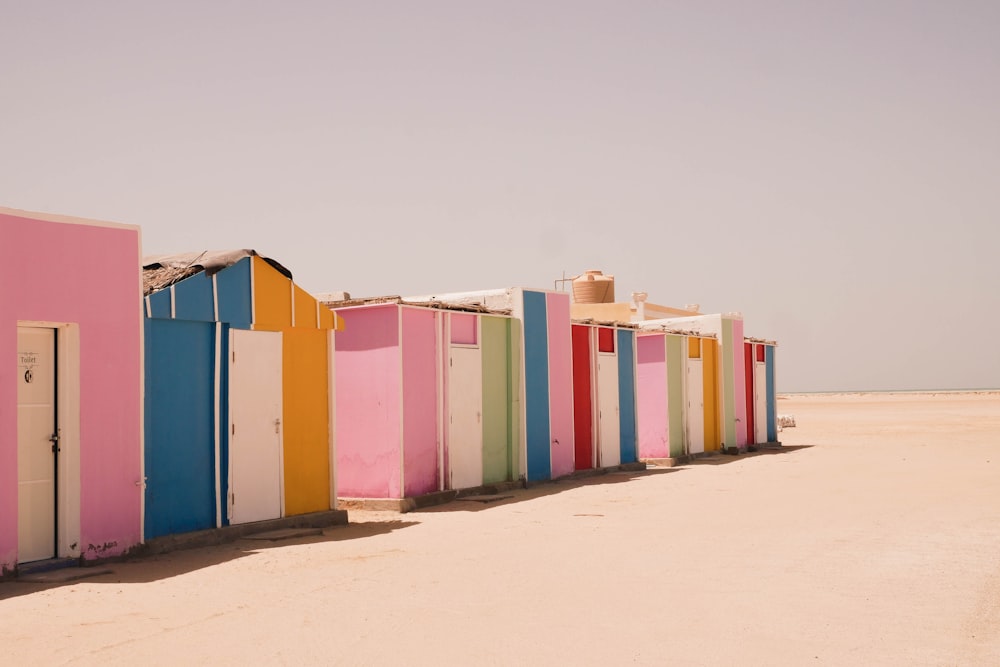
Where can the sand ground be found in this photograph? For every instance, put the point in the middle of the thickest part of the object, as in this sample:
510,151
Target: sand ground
873,537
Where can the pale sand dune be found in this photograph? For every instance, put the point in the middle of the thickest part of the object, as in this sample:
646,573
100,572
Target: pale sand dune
872,538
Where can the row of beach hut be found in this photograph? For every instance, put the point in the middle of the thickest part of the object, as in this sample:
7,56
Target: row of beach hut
214,391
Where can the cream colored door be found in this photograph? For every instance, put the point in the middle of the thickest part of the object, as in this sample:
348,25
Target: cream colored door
465,420
36,444
759,403
255,400
608,420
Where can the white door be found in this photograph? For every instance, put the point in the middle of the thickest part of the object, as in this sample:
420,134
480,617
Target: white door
695,407
255,457
36,459
759,403
465,418
608,422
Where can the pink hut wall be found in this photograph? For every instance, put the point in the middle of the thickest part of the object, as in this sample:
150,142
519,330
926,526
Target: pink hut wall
88,275
560,382
739,355
651,396
368,409
420,405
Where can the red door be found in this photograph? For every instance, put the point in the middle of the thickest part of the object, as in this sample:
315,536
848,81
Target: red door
583,409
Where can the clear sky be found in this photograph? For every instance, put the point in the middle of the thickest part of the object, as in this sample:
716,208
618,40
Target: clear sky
829,169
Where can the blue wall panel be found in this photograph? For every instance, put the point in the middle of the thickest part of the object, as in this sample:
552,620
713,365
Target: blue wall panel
772,398
194,299
179,426
536,387
224,423
159,304
626,394
233,284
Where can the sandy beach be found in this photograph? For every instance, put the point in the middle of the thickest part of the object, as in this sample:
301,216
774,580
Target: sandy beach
871,538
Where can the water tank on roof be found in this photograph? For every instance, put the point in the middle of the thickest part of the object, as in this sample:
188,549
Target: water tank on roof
593,287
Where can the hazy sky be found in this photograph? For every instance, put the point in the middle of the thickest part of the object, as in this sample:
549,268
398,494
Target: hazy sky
829,169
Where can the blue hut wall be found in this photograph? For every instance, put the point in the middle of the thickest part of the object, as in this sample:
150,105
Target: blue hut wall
772,398
626,395
179,426
536,387
234,294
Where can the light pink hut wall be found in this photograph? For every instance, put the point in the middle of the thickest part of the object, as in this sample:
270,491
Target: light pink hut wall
368,410
560,382
651,396
420,404
741,389
87,275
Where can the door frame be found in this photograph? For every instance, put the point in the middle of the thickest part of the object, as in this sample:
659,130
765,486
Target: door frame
67,398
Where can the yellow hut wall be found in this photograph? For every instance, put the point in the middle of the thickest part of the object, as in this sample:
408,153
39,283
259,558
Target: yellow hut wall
305,389
710,367
272,298
306,384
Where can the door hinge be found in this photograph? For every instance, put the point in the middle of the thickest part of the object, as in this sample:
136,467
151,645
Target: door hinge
234,429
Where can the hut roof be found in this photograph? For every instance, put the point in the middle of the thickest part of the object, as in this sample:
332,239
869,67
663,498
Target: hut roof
605,323
663,328
161,271
762,341
440,305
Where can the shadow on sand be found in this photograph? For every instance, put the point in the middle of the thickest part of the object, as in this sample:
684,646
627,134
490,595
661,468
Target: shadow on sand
143,569
485,501
719,459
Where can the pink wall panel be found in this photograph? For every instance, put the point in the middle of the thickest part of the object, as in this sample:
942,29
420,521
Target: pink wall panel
651,396
86,275
420,402
368,410
560,382
464,328
739,360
